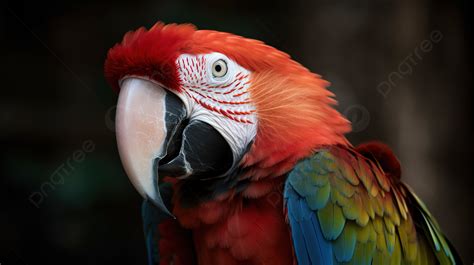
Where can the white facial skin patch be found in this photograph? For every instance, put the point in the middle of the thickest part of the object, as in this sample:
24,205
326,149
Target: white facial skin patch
215,91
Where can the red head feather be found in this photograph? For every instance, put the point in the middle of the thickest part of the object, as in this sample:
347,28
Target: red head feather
149,53
295,110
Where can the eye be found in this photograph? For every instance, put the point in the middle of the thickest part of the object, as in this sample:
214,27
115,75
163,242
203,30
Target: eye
219,68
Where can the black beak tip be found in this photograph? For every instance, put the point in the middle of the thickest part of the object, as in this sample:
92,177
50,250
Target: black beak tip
158,203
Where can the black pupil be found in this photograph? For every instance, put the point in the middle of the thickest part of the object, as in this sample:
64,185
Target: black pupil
218,68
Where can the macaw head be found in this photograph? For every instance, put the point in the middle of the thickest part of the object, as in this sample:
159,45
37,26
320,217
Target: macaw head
209,107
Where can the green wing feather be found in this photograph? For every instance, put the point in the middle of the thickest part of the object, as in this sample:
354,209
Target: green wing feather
368,217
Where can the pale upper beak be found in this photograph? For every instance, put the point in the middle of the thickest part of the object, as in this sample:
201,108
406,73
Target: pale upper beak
141,134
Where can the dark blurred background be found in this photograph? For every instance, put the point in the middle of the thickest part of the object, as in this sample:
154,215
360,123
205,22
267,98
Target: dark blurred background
401,71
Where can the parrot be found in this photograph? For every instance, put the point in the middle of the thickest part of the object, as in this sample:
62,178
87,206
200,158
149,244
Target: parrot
242,158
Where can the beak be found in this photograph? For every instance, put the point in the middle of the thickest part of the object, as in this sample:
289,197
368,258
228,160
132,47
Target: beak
155,139
147,119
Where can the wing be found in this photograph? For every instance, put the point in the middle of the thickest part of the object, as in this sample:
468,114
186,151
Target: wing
343,209
166,241
152,217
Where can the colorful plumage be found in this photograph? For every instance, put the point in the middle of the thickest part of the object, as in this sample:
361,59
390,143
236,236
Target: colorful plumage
359,212
242,159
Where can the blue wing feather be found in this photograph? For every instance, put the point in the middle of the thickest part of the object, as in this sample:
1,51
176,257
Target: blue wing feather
309,243
151,219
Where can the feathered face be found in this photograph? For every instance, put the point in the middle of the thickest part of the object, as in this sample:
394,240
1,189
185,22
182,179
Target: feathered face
202,104
214,89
